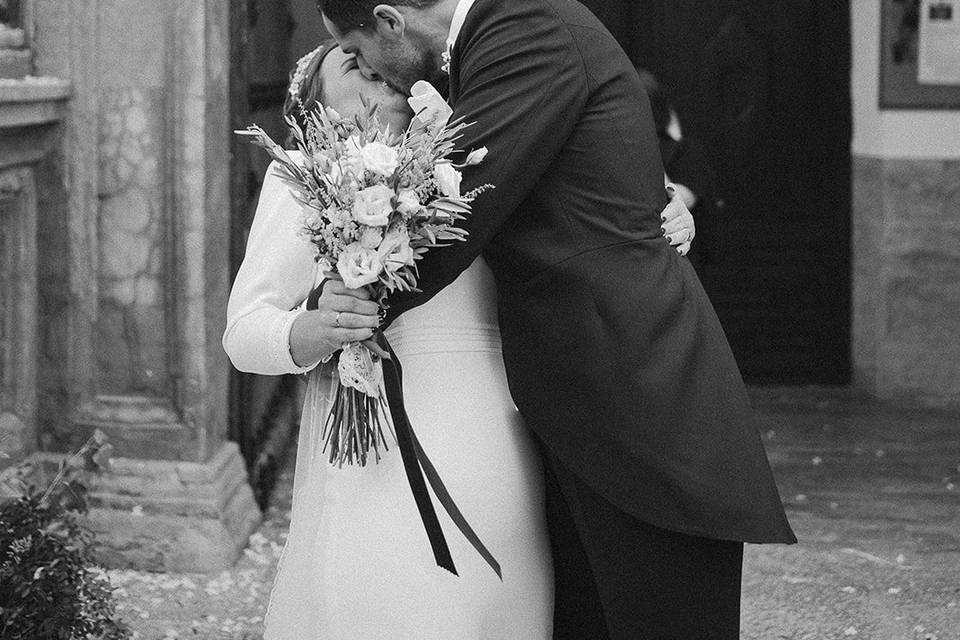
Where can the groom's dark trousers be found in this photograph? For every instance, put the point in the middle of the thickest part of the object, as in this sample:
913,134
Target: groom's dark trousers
613,353
618,577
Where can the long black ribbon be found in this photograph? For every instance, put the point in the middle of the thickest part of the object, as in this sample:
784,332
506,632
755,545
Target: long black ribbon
417,465
414,460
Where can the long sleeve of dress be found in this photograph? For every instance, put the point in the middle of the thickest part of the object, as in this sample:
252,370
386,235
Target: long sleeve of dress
277,274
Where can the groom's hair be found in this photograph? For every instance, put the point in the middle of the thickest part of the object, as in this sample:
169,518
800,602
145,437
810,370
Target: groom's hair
350,15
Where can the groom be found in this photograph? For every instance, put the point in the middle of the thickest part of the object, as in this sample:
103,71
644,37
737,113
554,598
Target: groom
615,357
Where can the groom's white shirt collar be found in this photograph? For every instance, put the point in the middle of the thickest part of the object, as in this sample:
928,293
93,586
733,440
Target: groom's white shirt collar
459,17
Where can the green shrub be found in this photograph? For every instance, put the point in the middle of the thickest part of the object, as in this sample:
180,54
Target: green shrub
49,586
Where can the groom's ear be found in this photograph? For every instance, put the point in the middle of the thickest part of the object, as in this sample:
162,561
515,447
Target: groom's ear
390,22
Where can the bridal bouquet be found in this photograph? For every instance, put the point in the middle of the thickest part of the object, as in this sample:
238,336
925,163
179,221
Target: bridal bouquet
373,202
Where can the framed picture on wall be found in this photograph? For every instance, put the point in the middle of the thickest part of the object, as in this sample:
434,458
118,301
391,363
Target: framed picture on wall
920,54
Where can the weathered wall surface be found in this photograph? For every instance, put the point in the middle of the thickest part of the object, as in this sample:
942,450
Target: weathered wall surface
133,264
906,237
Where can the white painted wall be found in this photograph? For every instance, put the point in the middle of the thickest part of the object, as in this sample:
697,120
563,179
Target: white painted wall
891,133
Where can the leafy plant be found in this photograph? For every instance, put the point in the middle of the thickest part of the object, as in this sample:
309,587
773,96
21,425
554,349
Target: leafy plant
49,586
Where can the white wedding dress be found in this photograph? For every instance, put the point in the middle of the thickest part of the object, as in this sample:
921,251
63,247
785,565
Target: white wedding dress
357,563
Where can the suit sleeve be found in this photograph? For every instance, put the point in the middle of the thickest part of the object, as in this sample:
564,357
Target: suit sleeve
523,84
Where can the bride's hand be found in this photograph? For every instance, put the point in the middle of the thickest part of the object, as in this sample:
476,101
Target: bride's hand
678,224
342,315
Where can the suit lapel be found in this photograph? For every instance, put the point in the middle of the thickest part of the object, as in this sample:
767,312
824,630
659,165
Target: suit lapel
466,31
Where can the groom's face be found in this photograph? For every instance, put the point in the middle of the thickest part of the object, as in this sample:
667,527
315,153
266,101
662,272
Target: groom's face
388,54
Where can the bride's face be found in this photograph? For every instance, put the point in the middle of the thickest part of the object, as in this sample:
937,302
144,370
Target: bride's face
343,84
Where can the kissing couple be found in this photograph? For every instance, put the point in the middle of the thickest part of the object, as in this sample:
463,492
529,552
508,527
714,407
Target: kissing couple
562,366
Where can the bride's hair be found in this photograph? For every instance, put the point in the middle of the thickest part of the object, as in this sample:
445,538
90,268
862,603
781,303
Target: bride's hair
305,90
349,15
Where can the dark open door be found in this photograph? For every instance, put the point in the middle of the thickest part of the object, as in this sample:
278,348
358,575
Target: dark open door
765,84
263,409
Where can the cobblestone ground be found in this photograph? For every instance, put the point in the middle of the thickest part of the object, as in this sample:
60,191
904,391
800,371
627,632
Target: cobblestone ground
871,490
229,605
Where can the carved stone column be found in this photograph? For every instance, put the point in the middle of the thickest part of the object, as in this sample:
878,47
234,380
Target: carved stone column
145,163
28,113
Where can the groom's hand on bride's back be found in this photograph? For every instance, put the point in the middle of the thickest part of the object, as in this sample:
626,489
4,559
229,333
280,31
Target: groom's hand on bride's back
677,223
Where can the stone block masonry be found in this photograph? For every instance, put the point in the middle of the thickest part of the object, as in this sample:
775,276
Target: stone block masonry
906,278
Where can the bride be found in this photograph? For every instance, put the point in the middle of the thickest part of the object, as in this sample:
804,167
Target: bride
357,563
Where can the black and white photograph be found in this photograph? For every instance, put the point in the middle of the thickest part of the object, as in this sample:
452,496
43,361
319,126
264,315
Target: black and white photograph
479,320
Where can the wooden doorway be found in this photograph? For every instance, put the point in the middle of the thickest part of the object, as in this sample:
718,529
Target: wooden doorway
264,410
766,85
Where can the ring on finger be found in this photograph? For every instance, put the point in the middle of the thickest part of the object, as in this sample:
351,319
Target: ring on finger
336,320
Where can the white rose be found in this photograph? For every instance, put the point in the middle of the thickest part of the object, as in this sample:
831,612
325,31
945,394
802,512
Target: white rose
379,158
476,156
408,202
371,237
395,251
372,206
359,266
448,178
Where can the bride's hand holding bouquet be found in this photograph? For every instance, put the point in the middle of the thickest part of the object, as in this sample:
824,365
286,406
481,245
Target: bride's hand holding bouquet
339,316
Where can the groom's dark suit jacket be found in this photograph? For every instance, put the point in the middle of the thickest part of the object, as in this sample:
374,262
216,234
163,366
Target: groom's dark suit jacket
613,352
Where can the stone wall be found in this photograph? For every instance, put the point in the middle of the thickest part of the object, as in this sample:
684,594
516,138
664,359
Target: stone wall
145,162
18,221
906,315
906,236
30,112
133,257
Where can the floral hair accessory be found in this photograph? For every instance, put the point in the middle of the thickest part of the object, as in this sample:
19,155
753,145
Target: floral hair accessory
300,73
